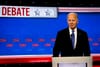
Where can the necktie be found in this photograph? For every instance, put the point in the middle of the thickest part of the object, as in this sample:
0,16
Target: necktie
73,38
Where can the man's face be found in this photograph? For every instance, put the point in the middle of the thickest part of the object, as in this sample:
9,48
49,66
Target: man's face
72,21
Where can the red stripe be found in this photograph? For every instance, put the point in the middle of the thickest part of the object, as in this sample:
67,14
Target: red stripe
96,58
32,59
25,60
96,66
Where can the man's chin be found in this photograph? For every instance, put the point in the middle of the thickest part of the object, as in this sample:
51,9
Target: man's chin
72,27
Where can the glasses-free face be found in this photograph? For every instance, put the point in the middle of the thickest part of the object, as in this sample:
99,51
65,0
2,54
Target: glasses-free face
72,20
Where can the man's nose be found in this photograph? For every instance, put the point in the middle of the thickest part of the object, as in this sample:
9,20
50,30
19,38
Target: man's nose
71,21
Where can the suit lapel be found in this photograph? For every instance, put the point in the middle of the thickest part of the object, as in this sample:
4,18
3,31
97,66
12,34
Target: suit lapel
78,38
68,36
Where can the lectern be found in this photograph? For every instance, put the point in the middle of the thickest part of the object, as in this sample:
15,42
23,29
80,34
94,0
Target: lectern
72,61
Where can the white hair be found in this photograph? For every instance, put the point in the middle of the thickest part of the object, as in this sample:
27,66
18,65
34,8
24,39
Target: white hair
74,14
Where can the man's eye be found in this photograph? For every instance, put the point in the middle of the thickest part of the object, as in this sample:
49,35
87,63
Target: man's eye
73,20
69,20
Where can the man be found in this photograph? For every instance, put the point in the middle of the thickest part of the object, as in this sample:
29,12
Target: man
71,41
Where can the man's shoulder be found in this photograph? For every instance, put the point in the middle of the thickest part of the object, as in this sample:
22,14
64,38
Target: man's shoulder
81,30
63,30
66,30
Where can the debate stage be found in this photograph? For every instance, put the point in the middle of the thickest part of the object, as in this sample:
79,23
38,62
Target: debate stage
43,61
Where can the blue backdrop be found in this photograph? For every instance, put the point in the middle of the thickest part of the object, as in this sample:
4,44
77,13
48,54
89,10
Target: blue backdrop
36,36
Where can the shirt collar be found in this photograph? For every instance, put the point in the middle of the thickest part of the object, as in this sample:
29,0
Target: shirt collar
70,30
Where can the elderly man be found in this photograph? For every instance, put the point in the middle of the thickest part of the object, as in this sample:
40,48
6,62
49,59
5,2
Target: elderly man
71,41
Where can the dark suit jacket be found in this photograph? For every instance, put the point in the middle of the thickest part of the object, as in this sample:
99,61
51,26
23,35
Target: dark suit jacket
63,44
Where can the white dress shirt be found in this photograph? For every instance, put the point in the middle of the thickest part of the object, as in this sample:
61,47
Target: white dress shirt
75,33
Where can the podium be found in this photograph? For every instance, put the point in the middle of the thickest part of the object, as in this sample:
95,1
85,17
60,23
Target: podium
72,61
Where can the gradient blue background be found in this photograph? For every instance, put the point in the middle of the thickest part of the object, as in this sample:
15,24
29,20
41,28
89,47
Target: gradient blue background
45,28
